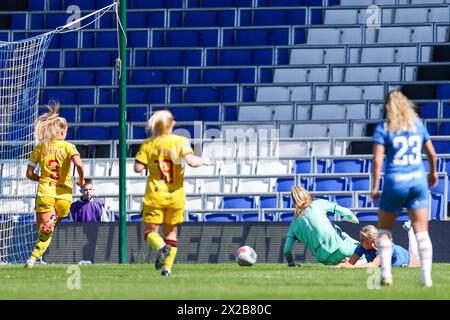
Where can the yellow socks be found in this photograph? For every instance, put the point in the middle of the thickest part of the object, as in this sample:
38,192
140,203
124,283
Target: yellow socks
172,253
41,244
155,240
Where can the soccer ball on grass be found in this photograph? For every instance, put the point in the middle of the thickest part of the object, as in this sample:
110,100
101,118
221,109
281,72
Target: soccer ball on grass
245,256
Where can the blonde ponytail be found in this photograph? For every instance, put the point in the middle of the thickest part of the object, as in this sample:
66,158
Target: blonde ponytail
400,112
159,122
302,200
49,125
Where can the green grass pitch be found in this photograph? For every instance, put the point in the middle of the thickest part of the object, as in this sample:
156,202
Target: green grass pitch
215,281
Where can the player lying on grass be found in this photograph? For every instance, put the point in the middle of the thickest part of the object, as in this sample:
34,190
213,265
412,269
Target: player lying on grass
368,248
327,242
54,193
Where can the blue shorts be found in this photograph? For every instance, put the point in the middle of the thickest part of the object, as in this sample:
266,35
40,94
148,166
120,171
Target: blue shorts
400,257
404,190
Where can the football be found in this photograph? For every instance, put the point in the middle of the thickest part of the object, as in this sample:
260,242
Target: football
245,256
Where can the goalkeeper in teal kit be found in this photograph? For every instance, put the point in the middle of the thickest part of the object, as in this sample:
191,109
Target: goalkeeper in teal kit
327,242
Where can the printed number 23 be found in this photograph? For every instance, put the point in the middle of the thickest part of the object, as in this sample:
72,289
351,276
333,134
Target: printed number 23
166,170
404,143
55,171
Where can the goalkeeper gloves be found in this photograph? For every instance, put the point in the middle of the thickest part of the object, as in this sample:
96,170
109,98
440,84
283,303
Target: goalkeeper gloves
353,219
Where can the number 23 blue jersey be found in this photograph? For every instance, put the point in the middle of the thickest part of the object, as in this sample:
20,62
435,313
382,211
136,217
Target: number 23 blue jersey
403,148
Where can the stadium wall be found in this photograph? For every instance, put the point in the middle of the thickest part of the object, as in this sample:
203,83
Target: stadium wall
206,242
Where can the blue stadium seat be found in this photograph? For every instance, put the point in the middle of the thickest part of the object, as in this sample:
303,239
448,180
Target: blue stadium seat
138,39
52,59
202,19
155,4
367,216
86,114
348,166
220,217
230,57
165,58
93,59
267,202
287,201
432,128
360,183
36,5
52,78
441,146
147,77
238,202
135,217
256,37
37,21
272,17
94,133
83,4
77,78
444,128
63,96
284,184
55,20
145,4
186,114
157,76
443,91
329,184
344,201
100,39
134,95
145,19
65,40
185,38
107,114
70,134
209,114
193,217
18,21
104,77
437,206
303,166
286,216
68,113
201,95
115,133
428,110
322,166
280,3
139,133
255,217
446,110
137,114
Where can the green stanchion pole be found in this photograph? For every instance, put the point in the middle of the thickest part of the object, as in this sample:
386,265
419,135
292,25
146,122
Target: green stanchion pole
123,133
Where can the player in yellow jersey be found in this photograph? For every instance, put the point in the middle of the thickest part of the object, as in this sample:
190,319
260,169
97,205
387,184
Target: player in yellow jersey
163,155
54,157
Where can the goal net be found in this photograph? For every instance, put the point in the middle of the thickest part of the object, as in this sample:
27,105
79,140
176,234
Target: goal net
21,65
21,74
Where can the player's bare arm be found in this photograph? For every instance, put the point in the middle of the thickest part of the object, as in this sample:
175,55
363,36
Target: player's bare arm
194,161
138,167
79,165
431,156
378,155
31,175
